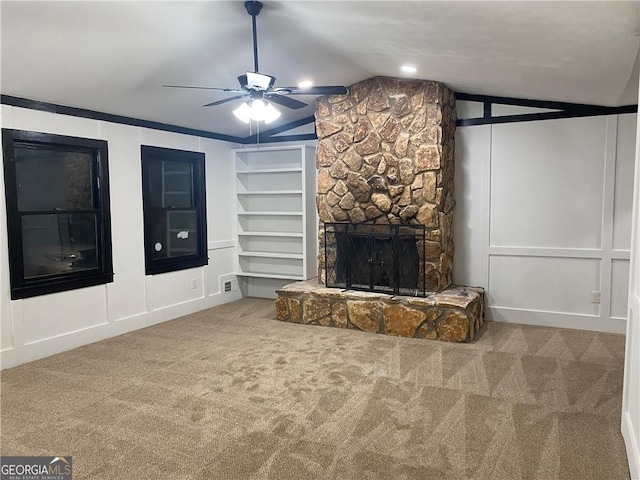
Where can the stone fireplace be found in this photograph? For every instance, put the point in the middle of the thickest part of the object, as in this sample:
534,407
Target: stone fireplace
385,158
385,155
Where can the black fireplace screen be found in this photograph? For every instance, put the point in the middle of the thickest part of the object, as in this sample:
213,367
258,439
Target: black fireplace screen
375,258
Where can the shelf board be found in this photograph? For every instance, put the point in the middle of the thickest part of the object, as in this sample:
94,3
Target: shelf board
271,275
294,256
268,170
285,214
272,192
271,234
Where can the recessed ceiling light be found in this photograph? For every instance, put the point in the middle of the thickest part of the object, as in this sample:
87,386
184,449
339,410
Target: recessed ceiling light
305,84
409,69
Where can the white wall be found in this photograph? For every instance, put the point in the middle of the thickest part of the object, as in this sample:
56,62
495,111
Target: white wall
543,217
631,393
37,327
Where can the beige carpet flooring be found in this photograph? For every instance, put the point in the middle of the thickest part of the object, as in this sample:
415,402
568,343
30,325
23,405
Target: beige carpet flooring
229,393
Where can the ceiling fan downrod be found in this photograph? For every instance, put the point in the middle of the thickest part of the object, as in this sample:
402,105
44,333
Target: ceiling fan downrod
253,8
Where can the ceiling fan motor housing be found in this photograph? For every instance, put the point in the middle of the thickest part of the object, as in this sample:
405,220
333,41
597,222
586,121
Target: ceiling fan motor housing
256,81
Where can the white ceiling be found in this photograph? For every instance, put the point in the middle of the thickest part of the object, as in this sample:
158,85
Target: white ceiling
114,57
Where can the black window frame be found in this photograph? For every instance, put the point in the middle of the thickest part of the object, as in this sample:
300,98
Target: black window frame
22,287
153,265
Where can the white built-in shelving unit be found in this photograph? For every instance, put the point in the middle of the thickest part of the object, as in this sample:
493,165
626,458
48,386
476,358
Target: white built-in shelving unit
276,227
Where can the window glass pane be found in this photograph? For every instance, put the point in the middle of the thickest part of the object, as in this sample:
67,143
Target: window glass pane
49,179
58,243
170,184
174,233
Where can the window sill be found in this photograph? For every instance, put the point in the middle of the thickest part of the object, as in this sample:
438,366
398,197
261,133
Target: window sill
59,285
174,265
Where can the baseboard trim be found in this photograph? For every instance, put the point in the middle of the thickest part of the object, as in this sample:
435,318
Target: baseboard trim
16,356
556,319
633,449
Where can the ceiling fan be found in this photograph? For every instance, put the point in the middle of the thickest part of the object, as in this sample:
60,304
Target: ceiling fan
258,87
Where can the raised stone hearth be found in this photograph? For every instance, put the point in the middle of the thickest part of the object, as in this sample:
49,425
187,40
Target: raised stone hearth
453,315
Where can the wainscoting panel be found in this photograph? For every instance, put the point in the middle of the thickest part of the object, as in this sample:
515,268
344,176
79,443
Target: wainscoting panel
545,207
623,193
471,214
50,316
619,288
552,284
546,183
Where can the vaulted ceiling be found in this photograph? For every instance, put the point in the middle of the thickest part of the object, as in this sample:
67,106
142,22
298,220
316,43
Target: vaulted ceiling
114,57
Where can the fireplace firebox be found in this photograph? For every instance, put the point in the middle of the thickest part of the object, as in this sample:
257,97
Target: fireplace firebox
375,258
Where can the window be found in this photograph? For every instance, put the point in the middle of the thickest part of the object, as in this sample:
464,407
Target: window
58,220
175,221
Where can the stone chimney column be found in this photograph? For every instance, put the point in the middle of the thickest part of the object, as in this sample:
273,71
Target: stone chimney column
386,155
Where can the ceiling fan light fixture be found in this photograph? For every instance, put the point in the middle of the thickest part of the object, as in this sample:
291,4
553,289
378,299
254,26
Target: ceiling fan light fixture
305,84
243,112
271,114
257,110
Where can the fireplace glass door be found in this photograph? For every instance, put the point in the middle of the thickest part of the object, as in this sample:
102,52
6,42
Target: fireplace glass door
375,258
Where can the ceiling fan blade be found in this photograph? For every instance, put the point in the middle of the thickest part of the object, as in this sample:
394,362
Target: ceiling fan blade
233,90
225,100
285,101
324,90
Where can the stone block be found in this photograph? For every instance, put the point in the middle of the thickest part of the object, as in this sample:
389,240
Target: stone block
364,315
294,310
325,128
339,169
378,101
347,202
339,314
325,154
325,181
402,321
381,201
428,215
282,309
340,188
371,144
454,328
315,308
356,215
